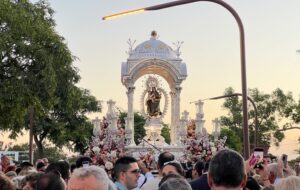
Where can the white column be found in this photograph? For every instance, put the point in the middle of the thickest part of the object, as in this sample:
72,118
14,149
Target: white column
173,118
216,128
177,103
97,127
182,128
130,113
199,119
111,115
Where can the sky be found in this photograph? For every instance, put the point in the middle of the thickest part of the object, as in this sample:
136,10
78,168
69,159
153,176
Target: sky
210,49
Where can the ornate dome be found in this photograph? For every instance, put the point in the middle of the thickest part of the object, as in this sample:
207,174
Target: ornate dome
153,48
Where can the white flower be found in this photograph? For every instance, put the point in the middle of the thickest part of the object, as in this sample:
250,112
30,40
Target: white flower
213,150
113,154
109,165
96,149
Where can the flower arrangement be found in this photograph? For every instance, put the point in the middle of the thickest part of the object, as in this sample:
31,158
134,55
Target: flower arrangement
201,147
107,144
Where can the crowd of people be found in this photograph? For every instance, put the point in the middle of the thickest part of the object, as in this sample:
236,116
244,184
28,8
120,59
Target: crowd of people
226,170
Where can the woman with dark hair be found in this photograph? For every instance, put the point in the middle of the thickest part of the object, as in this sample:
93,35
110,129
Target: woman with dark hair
173,167
29,181
50,181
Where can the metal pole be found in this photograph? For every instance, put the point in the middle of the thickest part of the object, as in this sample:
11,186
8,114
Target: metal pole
242,54
243,61
31,134
255,110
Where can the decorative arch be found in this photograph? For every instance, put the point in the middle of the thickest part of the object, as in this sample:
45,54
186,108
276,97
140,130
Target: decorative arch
159,67
151,58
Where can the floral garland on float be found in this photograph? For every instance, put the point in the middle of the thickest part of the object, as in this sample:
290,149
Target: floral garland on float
107,143
199,145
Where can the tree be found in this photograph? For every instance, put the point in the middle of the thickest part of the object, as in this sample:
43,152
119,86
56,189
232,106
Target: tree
52,153
233,141
139,130
165,132
139,122
273,111
36,71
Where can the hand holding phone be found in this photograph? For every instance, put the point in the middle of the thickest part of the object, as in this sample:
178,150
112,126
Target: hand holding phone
259,154
252,160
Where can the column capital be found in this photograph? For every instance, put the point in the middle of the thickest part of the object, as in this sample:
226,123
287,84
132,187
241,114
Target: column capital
130,89
178,88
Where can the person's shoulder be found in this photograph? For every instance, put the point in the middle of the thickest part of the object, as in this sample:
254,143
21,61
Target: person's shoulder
151,184
200,183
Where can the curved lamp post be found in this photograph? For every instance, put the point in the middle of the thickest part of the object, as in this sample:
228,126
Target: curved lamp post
254,107
242,54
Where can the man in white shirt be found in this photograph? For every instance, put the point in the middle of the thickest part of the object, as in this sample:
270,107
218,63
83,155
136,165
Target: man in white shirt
163,158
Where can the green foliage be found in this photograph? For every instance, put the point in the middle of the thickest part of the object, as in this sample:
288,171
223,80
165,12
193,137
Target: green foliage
165,132
19,147
274,112
139,130
233,140
139,122
36,71
52,153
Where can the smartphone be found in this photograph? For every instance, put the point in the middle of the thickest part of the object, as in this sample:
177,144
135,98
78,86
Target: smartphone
284,160
252,161
85,164
259,154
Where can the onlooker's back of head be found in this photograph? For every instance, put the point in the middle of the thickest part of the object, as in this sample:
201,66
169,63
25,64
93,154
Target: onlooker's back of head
62,167
81,175
50,181
5,183
198,169
82,160
175,184
163,158
289,183
168,177
226,169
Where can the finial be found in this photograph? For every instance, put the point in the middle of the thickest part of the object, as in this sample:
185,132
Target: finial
154,34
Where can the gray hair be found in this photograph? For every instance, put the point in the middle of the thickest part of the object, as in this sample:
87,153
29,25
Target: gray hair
97,172
290,183
175,184
273,168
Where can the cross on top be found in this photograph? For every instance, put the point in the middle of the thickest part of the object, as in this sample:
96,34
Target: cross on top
185,115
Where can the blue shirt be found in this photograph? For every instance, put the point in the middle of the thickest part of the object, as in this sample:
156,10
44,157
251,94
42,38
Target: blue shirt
120,186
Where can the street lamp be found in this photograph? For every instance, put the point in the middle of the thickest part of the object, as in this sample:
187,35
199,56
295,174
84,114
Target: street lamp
242,54
254,107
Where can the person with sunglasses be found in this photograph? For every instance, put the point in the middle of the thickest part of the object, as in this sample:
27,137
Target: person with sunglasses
126,173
